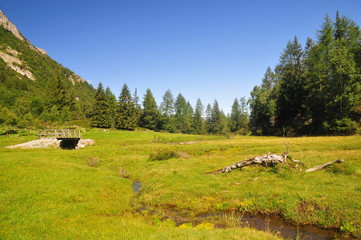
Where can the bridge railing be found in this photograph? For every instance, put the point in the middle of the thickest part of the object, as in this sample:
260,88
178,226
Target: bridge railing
59,133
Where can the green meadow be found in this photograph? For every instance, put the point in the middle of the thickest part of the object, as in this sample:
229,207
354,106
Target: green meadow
88,193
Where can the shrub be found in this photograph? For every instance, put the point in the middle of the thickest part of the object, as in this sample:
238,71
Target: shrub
92,161
344,126
163,155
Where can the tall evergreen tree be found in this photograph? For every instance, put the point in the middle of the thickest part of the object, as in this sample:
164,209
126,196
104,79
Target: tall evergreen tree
198,124
292,92
218,121
101,115
183,115
112,101
208,118
234,121
64,97
167,106
167,110
150,115
127,115
263,105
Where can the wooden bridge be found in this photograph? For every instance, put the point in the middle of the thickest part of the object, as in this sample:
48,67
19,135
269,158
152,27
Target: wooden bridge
69,138
59,134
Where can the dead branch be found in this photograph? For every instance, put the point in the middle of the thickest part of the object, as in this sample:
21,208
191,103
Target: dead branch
324,165
265,160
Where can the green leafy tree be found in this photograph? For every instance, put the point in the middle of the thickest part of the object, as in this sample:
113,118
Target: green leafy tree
150,116
101,114
127,116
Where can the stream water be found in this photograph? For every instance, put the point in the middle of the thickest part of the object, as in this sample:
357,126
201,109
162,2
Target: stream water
263,222
137,186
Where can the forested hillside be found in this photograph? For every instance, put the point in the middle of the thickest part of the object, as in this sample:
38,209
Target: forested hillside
314,90
35,90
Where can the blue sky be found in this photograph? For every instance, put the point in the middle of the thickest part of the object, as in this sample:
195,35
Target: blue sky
207,49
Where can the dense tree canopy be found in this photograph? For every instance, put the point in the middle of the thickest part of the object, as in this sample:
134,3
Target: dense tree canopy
315,90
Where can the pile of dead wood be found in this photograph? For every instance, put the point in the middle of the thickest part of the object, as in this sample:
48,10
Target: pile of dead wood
270,160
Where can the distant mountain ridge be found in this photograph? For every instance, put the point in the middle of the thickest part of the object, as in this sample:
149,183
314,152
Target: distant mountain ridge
29,77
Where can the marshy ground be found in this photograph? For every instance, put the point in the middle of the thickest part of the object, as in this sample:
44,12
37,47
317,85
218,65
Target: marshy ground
89,193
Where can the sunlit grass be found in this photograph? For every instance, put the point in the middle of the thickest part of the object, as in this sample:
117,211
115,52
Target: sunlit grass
52,193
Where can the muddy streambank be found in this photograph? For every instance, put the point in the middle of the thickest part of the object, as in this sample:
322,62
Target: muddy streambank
229,219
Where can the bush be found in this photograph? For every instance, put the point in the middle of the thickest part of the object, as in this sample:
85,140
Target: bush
163,155
344,126
92,161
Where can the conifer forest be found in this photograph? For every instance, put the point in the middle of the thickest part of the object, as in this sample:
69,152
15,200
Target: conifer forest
314,90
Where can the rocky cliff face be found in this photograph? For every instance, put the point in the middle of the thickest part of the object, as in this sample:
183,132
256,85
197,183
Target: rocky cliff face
4,21
11,56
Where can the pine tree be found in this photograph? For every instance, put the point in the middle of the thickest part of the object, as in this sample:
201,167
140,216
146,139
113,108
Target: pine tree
64,97
112,101
167,106
183,115
218,121
127,114
208,118
234,121
198,124
167,110
263,105
292,92
101,115
150,115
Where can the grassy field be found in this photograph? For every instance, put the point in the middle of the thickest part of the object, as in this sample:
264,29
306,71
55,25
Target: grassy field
87,193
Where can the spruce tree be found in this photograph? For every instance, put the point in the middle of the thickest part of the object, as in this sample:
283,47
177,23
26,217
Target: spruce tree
167,110
183,115
101,115
292,91
234,121
167,106
263,105
198,124
218,121
208,118
150,116
127,113
112,101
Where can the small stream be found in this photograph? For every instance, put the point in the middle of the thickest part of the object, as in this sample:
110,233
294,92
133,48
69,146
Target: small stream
137,186
263,222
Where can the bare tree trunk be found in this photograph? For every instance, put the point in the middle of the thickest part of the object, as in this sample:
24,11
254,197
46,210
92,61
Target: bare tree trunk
324,165
265,160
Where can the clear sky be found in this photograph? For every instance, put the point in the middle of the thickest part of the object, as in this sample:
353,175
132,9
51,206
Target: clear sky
207,49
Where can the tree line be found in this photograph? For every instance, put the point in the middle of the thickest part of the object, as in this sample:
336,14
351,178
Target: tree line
175,115
315,90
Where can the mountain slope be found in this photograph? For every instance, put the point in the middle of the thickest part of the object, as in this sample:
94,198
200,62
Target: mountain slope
33,85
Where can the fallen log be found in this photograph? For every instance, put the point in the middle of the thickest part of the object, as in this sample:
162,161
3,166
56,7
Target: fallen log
324,165
265,160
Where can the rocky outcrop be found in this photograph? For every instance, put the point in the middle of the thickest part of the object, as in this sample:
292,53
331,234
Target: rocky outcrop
74,78
50,143
11,59
4,21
